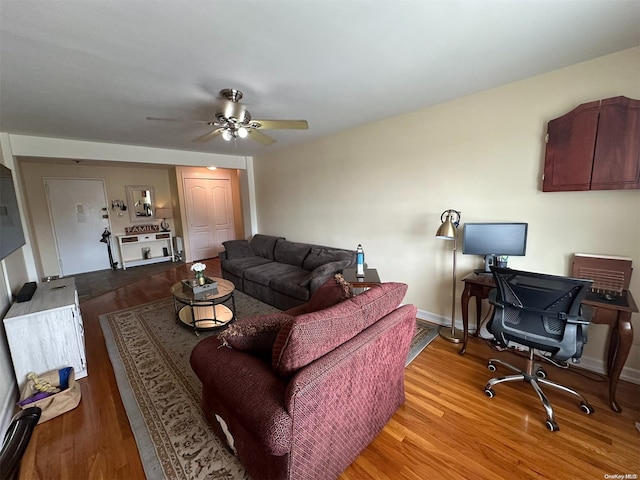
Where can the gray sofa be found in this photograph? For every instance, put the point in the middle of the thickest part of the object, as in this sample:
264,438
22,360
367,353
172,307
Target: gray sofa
279,272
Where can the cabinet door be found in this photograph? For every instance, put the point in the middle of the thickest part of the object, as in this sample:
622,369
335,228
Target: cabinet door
45,341
616,163
570,147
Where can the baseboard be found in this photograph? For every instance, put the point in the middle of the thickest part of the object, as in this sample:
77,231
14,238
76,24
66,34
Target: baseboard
588,363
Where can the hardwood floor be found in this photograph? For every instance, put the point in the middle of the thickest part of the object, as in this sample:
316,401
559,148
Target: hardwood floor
446,429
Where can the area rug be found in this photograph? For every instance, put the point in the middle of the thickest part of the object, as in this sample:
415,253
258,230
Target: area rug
424,335
150,354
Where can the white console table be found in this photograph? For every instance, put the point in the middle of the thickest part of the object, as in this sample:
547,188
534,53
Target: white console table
132,248
47,333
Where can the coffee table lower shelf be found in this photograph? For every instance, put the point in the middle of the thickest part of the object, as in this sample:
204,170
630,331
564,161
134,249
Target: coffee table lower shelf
207,317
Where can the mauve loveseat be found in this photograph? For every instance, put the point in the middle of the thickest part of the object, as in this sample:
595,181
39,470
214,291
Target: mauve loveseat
279,272
299,394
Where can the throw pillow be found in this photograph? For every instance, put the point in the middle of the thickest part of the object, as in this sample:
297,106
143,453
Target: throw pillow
255,334
237,249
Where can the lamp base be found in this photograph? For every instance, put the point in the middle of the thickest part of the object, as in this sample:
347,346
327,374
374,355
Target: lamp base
455,336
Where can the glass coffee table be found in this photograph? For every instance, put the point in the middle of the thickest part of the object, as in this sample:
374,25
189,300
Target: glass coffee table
210,311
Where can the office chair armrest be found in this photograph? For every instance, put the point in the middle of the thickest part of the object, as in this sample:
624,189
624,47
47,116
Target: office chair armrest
580,319
587,312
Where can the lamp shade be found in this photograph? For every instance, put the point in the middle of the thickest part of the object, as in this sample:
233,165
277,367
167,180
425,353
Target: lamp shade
448,230
163,212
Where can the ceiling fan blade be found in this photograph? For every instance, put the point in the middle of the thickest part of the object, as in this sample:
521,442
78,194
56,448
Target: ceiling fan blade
208,136
281,124
260,137
163,119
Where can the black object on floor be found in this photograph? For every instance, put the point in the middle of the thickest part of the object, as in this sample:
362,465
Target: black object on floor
16,441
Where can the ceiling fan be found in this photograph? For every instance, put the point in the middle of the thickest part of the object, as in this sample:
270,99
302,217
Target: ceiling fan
233,121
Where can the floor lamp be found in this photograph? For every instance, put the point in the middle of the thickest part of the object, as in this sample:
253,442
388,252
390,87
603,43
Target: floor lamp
449,231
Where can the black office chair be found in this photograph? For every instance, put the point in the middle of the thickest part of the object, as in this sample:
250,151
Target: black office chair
16,440
544,313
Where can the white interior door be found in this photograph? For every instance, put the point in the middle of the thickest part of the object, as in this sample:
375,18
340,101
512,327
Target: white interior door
209,209
78,211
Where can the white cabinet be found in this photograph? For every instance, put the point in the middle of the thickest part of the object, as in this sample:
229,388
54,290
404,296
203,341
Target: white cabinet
145,248
47,333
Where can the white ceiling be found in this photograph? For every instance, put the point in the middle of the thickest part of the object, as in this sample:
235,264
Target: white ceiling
94,70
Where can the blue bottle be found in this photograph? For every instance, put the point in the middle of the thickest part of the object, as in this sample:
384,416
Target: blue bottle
359,261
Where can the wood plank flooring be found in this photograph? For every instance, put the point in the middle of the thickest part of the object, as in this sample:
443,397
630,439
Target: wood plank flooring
446,429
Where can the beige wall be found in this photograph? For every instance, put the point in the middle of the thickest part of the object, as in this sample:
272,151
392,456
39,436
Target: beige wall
385,185
115,179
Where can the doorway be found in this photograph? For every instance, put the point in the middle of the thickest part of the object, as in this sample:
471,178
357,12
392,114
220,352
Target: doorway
79,216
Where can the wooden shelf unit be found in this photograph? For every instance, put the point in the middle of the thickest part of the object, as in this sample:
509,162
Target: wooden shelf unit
131,248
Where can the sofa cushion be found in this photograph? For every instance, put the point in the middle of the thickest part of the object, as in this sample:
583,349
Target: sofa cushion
292,253
326,269
255,335
312,335
289,283
321,255
240,265
263,245
263,274
237,249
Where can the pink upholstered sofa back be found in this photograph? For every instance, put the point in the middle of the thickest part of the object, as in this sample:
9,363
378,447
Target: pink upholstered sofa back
312,335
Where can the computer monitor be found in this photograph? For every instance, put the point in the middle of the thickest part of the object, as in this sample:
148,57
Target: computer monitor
494,239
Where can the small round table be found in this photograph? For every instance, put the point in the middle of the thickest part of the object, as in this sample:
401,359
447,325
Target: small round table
209,311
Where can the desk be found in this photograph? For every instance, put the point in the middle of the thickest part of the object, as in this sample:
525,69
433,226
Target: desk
617,317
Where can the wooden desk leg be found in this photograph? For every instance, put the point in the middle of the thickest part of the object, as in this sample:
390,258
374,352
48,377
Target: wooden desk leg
464,302
619,347
478,315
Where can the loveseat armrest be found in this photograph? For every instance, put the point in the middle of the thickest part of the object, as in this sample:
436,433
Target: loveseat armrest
245,392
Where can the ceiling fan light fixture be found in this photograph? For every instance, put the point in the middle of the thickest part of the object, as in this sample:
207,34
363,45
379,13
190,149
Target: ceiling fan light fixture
243,132
227,135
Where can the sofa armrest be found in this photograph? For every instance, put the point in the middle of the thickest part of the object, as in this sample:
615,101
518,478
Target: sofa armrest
222,255
319,275
245,392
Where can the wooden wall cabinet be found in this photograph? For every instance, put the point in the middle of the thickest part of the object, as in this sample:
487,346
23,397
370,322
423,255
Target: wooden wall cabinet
596,146
47,333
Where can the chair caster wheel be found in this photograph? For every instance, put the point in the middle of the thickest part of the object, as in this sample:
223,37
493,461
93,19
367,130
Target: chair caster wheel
552,426
489,392
491,367
586,408
541,373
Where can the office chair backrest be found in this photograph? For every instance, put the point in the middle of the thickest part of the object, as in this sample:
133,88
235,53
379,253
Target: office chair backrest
540,311
16,440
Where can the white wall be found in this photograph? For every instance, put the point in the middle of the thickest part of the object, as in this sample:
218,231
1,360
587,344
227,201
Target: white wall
385,185
13,274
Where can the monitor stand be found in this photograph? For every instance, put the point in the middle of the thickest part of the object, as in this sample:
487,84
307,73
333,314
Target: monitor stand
489,261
